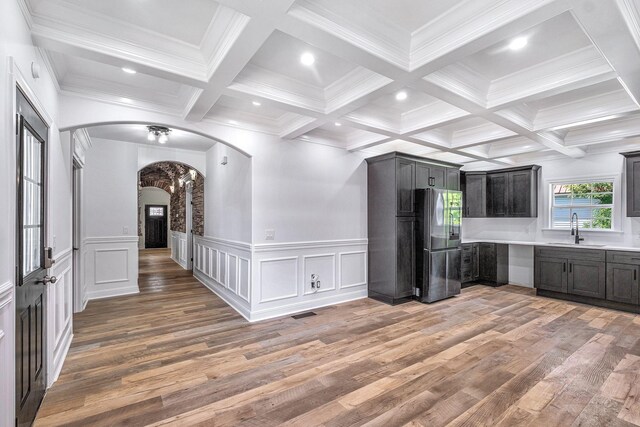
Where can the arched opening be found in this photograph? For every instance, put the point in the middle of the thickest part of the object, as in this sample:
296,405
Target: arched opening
170,209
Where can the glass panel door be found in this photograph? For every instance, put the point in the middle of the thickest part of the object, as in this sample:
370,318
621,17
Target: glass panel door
32,203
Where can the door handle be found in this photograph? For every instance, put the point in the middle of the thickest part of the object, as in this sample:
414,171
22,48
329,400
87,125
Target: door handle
46,280
564,267
570,267
635,275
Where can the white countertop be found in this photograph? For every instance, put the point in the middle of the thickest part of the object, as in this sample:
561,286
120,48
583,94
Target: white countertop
554,244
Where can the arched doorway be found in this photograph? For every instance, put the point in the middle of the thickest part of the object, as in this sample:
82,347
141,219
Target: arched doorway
170,208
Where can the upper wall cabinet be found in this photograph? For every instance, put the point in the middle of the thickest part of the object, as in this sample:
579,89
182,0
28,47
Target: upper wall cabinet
504,193
633,182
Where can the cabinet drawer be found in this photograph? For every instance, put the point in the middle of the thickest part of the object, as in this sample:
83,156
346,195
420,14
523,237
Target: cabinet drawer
620,257
571,252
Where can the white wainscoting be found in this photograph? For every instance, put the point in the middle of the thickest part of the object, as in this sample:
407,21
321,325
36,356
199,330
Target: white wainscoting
7,354
224,266
179,248
59,314
282,277
111,266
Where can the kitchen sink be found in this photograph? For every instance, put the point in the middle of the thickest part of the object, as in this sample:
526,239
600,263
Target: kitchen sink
585,245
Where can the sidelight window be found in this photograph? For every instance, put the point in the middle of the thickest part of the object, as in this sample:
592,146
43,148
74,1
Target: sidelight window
592,201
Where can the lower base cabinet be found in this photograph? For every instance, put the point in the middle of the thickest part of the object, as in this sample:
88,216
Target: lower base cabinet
486,263
605,278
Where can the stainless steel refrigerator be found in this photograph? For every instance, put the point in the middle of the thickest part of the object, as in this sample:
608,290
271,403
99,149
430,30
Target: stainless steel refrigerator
439,222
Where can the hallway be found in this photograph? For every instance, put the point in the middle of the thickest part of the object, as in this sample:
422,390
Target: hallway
177,354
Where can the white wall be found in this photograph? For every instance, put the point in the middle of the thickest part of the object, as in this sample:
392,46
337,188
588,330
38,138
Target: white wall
110,194
536,229
15,43
153,196
227,195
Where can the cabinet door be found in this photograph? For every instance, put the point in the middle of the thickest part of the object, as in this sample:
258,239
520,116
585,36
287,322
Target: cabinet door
475,196
519,192
453,179
406,264
487,261
551,274
476,261
497,195
467,263
423,175
633,186
622,283
587,278
438,177
405,186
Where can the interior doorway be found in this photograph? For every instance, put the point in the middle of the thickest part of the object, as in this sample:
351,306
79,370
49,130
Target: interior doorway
155,226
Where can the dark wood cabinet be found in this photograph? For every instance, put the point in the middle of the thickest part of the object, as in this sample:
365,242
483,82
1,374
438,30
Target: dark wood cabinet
392,180
587,278
622,283
487,263
453,179
551,274
579,272
474,193
405,257
521,185
504,193
632,171
405,186
497,195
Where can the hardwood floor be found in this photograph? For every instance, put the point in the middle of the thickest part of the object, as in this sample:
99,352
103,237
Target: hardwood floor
177,355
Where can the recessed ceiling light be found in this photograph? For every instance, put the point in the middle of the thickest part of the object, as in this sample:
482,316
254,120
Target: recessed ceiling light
129,70
518,43
401,96
256,103
338,124
307,59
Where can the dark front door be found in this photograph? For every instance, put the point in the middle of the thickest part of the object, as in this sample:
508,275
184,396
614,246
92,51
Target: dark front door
155,226
32,260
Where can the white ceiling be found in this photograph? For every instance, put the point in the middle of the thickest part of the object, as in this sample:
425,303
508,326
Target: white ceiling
137,134
470,98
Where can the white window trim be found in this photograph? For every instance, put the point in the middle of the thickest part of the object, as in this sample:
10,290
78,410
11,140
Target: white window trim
616,215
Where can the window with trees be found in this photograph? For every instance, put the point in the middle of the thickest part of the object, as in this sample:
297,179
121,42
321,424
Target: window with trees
592,201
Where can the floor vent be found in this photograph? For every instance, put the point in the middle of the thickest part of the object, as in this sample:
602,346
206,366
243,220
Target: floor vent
303,315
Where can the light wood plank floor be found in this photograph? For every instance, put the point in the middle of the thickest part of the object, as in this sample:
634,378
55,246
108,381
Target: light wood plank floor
177,355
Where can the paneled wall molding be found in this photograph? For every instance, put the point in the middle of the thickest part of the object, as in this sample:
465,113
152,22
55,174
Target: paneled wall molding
268,247
6,294
111,266
179,251
111,239
62,256
81,144
225,242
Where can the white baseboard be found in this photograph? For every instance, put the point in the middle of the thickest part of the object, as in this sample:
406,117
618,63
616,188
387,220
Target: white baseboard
232,300
66,345
110,293
286,310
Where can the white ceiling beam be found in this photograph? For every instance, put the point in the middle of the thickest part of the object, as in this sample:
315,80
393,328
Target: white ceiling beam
614,27
256,32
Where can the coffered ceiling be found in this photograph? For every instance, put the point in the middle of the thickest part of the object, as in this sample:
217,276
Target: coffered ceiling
485,82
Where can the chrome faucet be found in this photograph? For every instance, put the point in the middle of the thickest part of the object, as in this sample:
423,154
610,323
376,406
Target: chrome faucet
576,232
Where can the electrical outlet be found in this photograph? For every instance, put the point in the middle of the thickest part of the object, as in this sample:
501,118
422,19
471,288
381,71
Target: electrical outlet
315,281
269,234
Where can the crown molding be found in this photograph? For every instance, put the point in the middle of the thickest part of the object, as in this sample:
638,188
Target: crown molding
594,107
354,85
559,72
96,47
465,22
631,16
463,81
224,30
614,130
371,43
